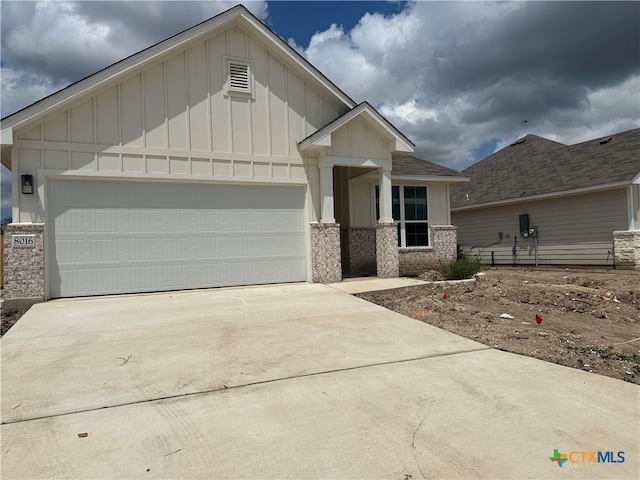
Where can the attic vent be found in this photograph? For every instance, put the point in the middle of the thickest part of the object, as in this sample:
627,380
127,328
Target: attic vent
239,77
606,140
518,142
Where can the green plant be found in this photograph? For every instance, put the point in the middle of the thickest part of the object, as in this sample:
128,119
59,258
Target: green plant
461,268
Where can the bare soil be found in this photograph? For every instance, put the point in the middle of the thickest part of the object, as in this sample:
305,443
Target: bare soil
10,317
590,318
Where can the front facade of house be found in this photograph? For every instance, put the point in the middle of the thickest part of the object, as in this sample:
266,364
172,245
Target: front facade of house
579,204
218,157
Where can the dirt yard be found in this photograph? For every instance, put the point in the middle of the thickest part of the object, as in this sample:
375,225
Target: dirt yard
10,317
589,318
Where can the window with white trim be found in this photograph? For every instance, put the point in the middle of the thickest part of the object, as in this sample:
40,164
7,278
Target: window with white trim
409,209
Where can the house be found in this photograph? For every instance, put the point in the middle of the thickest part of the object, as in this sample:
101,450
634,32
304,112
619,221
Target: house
217,157
541,201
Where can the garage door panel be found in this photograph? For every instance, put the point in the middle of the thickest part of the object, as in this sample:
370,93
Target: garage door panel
125,237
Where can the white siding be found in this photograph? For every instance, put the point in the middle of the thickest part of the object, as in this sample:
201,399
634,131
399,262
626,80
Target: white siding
438,204
573,230
176,116
121,237
357,140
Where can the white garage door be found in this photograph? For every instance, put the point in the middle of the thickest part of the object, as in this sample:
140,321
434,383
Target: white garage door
124,237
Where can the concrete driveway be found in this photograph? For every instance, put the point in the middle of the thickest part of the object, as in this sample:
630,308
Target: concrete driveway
292,381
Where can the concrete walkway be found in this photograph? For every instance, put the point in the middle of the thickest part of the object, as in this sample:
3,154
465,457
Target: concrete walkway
290,381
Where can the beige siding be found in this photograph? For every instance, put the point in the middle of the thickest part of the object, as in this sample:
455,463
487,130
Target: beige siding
438,204
573,230
361,204
634,207
177,117
357,140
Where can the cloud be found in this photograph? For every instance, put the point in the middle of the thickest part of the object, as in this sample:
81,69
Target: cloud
47,45
453,75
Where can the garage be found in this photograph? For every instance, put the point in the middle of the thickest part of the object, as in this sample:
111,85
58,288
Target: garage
107,237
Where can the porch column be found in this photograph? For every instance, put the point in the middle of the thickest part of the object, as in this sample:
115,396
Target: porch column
326,264
386,213
386,231
326,194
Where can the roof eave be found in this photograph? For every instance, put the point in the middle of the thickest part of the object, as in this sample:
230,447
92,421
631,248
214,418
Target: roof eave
448,179
322,137
545,196
43,107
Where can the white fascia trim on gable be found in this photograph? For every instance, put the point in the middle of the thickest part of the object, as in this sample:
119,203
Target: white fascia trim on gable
6,136
6,141
323,136
545,196
123,67
636,179
285,50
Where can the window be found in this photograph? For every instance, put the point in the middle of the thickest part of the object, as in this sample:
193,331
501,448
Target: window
409,209
239,80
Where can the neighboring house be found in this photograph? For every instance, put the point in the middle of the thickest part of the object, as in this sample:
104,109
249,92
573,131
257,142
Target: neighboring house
583,201
217,157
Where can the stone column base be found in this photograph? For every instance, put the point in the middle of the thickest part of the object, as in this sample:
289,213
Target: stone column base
387,250
361,254
626,246
326,266
24,267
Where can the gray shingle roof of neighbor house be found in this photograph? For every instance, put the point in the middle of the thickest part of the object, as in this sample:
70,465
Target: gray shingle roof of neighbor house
534,165
408,165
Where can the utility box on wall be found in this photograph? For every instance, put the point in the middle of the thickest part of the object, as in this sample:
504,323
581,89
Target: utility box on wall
524,225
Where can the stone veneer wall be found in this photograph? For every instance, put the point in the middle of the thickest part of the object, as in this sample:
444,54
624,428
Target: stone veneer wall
626,246
325,253
360,246
443,248
24,267
387,250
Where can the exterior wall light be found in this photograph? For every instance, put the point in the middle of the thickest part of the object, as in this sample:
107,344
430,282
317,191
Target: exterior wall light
27,184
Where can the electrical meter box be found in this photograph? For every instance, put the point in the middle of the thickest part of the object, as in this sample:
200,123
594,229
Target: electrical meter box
524,225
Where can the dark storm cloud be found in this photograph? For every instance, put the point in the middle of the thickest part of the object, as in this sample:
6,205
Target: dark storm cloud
594,44
128,28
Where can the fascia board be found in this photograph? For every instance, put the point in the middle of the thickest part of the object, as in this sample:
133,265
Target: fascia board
6,136
123,67
545,196
372,118
450,179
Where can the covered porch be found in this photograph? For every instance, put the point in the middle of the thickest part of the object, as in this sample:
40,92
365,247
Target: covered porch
359,143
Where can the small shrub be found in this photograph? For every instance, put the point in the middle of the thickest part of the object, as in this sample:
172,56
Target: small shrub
461,268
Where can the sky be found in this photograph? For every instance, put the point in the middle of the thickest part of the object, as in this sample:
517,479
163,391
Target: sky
460,79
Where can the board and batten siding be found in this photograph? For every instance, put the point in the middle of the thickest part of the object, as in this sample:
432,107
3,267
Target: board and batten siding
177,117
572,230
358,140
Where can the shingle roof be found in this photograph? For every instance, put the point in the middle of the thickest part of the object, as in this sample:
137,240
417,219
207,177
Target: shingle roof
535,165
411,166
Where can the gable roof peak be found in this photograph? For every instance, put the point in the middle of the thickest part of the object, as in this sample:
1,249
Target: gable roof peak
237,13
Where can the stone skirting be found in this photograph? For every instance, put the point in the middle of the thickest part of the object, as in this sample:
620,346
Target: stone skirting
24,267
443,248
325,253
626,246
387,250
359,250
